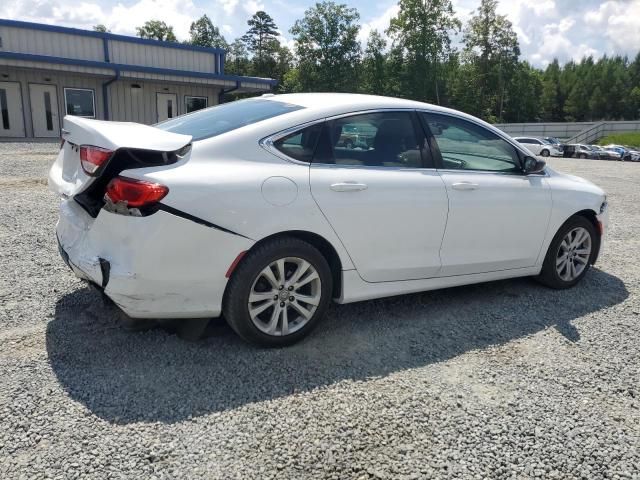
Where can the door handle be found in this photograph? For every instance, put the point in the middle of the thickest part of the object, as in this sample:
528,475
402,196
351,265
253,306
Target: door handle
348,187
465,186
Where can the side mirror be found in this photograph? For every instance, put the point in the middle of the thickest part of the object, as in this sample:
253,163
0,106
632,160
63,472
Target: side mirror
533,165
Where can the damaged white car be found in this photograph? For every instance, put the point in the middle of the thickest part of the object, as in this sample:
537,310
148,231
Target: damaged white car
261,211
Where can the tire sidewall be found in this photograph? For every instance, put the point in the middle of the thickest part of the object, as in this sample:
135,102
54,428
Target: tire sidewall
236,309
545,153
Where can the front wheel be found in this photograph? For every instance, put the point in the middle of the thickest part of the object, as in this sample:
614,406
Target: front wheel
544,153
571,253
278,293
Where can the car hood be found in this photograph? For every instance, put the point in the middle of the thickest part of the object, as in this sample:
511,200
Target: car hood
572,182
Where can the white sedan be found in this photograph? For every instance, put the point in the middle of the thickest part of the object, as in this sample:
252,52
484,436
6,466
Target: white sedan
253,211
539,146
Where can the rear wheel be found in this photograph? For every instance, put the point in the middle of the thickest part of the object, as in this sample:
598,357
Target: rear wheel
570,254
544,153
279,292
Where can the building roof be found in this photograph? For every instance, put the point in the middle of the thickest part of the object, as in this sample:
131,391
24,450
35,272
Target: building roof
120,55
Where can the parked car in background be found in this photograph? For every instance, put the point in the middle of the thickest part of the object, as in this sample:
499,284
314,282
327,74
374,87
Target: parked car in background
582,151
623,153
634,154
251,209
539,146
555,141
601,153
357,136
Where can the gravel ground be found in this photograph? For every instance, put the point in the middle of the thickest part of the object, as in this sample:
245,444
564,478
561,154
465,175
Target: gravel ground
502,380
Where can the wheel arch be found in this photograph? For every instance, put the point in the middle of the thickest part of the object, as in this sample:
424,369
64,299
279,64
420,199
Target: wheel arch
318,241
592,217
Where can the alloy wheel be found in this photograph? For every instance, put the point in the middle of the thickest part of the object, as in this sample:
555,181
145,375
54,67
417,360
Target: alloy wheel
573,254
284,296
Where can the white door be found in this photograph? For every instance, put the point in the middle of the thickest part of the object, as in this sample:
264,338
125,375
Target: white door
498,216
11,118
533,144
387,209
167,105
44,110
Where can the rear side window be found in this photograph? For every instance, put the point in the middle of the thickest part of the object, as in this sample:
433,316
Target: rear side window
213,121
385,139
300,144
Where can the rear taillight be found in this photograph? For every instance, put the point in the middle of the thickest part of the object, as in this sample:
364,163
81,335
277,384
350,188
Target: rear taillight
93,158
135,193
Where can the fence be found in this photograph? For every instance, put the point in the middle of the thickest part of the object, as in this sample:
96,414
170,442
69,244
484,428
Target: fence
571,132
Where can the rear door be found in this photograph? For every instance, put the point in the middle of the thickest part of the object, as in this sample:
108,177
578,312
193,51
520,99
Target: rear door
387,205
532,144
498,216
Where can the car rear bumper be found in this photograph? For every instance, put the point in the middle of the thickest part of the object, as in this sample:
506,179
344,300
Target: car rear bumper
159,266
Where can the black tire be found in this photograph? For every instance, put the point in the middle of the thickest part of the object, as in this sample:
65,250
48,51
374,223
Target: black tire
544,153
583,156
235,304
549,276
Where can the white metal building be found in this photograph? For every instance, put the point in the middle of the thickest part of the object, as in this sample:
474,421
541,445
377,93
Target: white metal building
47,72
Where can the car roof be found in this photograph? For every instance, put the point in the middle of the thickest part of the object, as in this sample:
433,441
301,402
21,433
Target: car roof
329,104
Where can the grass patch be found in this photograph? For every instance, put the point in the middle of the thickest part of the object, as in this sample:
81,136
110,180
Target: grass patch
624,138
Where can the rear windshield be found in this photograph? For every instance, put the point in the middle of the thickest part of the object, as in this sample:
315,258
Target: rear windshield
213,121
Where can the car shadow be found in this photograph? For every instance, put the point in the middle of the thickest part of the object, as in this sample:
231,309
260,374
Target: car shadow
154,376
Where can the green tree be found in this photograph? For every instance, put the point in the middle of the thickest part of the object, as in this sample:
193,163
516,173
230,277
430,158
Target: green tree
237,61
157,30
205,34
491,45
261,34
422,30
374,65
101,28
327,48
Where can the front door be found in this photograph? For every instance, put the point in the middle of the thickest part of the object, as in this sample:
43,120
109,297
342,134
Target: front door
44,110
386,206
167,105
11,119
498,216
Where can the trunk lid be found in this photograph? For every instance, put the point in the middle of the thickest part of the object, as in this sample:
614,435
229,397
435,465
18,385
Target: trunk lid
67,176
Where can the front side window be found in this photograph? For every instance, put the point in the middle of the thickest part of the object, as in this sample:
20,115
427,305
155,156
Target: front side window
385,139
80,102
220,119
300,144
194,103
466,146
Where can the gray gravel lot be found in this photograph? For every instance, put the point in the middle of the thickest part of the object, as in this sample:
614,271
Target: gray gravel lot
502,380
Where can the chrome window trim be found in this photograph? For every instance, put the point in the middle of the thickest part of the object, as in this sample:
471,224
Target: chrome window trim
268,142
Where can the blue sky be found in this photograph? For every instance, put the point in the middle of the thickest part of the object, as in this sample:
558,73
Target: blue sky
546,28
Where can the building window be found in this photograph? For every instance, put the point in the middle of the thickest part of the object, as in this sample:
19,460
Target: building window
80,102
195,103
4,109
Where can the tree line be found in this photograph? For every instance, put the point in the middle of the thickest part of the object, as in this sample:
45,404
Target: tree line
415,58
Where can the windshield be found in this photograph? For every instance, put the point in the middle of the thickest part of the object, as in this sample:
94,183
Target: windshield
213,121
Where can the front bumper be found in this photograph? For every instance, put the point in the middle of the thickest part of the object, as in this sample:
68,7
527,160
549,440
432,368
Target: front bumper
160,266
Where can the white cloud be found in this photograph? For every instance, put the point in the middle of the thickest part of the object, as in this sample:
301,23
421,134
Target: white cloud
619,19
380,23
252,6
